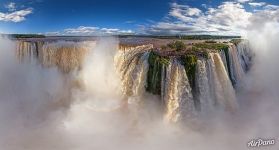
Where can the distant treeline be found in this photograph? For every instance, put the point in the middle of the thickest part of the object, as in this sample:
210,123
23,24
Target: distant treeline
186,37
17,36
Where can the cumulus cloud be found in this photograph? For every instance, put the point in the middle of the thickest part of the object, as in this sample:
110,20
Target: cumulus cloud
173,28
109,30
229,18
188,20
90,30
16,16
184,12
11,6
263,17
244,1
81,30
271,7
257,4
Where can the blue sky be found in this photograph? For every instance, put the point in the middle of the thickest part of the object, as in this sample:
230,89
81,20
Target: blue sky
95,17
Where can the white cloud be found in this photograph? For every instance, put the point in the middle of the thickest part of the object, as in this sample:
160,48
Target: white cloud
184,12
115,31
11,6
244,1
263,17
16,16
204,6
229,18
271,7
109,30
229,14
257,4
224,19
166,28
87,30
81,30
127,32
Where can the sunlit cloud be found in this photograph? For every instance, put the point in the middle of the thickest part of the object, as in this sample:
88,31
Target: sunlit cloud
244,1
271,7
229,18
81,30
90,30
257,4
15,16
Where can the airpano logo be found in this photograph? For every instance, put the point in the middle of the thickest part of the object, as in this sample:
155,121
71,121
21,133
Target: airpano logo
261,142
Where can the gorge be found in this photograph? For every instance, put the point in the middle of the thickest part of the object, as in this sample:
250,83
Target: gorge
189,82
81,94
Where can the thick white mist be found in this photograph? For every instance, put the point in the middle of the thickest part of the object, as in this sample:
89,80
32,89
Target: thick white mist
260,96
264,42
30,100
98,79
100,117
98,96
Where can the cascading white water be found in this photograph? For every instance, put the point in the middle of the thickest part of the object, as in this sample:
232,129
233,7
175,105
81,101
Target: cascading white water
26,51
127,76
224,59
220,84
245,54
138,79
236,69
203,88
211,77
132,67
164,83
178,97
65,55
140,75
124,57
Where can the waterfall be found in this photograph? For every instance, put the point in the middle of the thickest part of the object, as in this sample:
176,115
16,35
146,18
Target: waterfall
124,58
140,75
134,78
245,54
185,83
26,51
236,70
164,83
221,88
224,59
202,87
132,67
67,56
178,97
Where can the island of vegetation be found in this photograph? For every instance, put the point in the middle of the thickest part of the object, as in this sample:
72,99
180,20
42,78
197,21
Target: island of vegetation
187,54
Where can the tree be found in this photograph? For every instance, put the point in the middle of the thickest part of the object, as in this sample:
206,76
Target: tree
177,45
